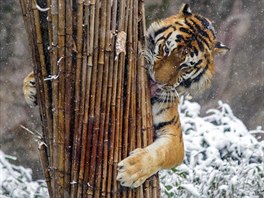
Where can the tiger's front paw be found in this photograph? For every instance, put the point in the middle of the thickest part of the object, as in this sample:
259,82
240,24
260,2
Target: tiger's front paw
136,168
29,89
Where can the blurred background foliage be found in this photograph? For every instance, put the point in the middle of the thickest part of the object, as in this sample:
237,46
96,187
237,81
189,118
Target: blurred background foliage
239,78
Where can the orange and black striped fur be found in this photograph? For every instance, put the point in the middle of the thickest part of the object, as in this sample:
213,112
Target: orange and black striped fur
180,54
180,58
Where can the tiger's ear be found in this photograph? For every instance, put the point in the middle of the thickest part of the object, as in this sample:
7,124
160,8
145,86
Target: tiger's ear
185,10
220,48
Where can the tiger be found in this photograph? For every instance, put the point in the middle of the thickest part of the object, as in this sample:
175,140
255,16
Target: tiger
179,57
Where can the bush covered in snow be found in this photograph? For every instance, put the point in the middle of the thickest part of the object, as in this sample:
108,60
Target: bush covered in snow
222,158
16,181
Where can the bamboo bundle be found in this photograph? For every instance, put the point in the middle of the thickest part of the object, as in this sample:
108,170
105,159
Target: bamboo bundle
92,91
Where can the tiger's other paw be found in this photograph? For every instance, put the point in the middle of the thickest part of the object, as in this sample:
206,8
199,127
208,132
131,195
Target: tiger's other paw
135,169
29,89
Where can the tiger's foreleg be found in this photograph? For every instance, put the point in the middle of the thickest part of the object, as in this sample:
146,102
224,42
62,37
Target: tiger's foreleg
165,152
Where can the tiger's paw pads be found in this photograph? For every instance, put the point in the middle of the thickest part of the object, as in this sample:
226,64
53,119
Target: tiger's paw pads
135,169
29,89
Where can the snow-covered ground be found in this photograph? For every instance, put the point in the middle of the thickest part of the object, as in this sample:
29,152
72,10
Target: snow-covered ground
222,159
16,181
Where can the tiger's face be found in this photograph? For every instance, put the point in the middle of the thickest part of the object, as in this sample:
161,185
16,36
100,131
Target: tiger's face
180,52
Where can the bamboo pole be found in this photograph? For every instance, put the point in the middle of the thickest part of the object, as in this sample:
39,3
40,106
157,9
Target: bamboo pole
61,95
54,82
129,78
45,165
112,101
43,65
107,97
98,89
77,129
68,96
50,114
119,107
102,85
94,102
87,123
85,100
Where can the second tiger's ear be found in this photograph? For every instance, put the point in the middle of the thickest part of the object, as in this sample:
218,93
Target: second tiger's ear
220,48
185,10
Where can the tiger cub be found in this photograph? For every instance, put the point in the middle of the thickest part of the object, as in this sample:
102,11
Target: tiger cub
180,57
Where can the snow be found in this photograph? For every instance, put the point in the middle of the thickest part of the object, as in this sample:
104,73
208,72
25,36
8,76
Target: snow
41,9
222,159
16,181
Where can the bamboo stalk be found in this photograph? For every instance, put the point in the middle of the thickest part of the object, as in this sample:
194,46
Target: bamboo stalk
95,100
140,64
107,102
47,107
101,96
77,102
134,80
43,155
68,96
112,106
88,109
128,70
41,60
61,96
139,103
133,116
50,114
149,132
128,88
148,138
49,19
132,113
85,101
45,104
82,125
144,124
119,106
54,81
